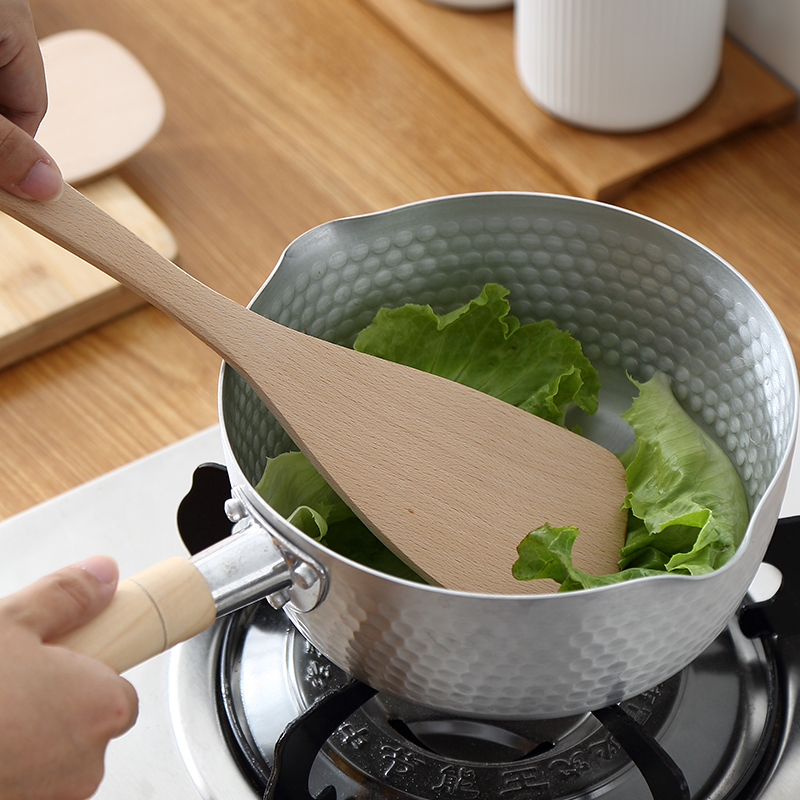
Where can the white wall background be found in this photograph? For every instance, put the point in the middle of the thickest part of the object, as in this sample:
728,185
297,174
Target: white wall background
770,29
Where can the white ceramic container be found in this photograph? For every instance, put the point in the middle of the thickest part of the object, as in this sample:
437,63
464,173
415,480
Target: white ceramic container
618,65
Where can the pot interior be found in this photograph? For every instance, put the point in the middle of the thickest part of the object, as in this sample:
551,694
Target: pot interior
638,295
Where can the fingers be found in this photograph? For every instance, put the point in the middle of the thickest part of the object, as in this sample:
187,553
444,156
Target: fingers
59,710
23,90
127,714
75,762
64,600
26,169
106,704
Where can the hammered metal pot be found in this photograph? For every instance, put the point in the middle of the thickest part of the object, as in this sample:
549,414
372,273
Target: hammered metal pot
640,296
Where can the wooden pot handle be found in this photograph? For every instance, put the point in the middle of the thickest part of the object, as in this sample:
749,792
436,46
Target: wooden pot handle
151,611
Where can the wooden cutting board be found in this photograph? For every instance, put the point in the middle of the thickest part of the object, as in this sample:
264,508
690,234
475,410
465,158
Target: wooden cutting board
103,107
48,295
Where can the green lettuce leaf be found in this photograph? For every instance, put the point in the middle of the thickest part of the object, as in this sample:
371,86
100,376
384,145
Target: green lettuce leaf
547,553
294,488
536,367
682,488
688,509
353,539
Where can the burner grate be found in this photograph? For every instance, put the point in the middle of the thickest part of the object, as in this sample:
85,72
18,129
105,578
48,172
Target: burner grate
298,747
372,746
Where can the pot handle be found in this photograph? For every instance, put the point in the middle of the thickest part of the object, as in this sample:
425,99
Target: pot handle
255,562
176,599
212,506
151,611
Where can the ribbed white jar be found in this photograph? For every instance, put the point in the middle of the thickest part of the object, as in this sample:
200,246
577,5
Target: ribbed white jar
618,65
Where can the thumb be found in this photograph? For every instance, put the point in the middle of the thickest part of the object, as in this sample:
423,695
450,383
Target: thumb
65,600
26,169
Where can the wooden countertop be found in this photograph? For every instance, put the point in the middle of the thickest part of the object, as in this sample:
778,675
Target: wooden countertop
282,114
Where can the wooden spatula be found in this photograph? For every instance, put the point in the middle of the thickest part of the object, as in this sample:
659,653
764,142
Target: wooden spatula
450,478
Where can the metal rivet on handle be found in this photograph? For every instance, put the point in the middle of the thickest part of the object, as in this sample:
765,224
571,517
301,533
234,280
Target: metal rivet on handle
279,599
234,509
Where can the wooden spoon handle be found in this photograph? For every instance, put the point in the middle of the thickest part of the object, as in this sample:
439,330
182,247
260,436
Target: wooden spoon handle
151,611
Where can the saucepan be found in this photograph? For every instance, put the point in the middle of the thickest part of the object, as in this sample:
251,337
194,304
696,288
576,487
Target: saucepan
639,296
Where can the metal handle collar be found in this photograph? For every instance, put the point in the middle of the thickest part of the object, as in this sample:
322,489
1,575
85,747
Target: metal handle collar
255,562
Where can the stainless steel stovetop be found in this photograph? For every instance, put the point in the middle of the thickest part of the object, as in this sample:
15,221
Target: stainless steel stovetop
177,750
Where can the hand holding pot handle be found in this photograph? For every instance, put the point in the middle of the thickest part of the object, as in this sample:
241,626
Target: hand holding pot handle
176,599
58,711
151,611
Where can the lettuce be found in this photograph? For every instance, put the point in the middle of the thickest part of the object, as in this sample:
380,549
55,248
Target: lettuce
687,507
294,488
536,367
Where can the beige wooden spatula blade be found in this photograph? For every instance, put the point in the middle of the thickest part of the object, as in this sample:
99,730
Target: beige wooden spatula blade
460,478
450,478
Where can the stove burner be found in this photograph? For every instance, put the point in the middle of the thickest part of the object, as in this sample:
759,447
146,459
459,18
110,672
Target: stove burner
301,741
712,719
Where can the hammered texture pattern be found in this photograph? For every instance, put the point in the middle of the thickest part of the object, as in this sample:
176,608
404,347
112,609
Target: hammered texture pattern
640,297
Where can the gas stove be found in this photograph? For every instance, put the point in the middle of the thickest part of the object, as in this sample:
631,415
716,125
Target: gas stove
243,708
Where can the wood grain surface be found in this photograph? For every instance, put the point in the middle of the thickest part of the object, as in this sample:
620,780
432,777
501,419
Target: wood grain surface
288,113
152,611
48,295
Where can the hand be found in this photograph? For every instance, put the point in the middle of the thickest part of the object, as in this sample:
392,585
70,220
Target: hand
58,709
26,169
